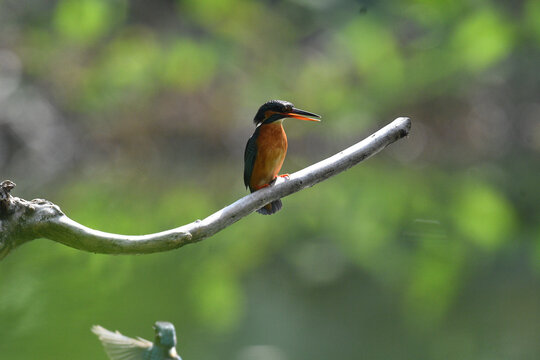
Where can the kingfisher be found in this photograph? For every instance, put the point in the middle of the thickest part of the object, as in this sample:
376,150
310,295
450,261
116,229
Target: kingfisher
120,347
267,147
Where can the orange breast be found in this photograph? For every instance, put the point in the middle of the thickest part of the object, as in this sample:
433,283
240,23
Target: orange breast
271,151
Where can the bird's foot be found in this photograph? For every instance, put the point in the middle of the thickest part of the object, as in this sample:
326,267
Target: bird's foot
265,185
275,180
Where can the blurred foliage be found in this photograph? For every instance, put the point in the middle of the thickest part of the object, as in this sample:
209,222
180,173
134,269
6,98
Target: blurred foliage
86,21
133,116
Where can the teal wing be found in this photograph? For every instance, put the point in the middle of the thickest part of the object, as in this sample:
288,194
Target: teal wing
120,347
249,157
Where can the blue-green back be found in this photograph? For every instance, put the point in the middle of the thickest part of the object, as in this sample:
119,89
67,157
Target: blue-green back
249,156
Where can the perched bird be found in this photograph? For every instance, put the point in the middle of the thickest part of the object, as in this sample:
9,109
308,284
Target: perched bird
120,347
267,147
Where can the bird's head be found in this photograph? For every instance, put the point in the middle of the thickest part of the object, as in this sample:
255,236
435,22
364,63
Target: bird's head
275,110
165,334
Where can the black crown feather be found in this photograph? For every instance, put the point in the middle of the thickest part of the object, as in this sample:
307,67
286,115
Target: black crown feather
272,105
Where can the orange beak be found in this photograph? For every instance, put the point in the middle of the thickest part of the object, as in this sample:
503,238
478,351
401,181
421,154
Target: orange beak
298,114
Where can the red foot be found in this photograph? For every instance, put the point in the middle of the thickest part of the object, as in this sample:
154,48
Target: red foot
273,181
262,186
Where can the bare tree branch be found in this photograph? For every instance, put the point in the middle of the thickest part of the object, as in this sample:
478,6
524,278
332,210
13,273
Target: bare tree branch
22,220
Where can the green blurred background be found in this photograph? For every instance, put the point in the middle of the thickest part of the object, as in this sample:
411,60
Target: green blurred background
133,117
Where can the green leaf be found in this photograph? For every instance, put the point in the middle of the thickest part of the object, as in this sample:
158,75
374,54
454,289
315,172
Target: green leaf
86,20
482,40
483,215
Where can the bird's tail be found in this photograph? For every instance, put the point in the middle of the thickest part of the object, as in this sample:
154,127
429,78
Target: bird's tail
271,208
